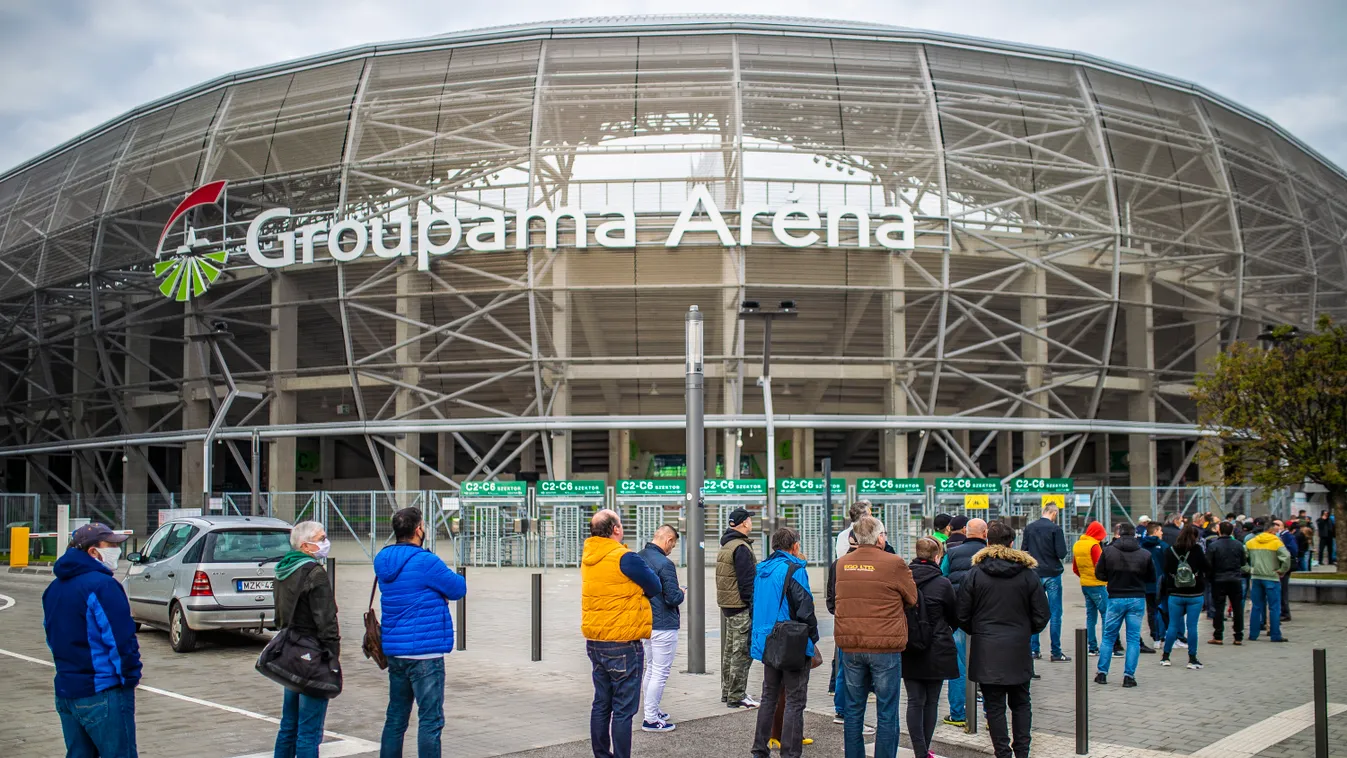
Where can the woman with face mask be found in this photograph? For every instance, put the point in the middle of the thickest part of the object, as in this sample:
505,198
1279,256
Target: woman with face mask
302,584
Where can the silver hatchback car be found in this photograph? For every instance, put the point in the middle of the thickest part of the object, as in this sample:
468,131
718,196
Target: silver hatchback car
207,573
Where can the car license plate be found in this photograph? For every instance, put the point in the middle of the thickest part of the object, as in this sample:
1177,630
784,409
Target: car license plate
254,585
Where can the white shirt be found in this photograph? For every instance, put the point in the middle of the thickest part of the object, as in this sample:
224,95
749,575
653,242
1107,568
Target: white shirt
843,543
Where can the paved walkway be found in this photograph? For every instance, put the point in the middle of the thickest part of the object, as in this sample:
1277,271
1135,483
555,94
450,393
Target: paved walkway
499,702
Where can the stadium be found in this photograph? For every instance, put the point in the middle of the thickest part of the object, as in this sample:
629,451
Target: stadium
399,267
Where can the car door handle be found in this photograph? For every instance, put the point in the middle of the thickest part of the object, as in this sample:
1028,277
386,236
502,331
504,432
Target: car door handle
169,575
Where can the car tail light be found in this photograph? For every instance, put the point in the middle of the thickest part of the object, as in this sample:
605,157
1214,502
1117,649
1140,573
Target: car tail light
201,585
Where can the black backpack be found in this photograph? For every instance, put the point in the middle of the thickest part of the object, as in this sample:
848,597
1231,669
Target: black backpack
920,630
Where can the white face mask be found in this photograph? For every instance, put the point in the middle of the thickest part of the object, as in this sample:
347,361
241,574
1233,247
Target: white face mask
323,547
109,556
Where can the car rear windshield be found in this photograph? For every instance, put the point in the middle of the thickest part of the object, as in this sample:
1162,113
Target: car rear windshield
247,546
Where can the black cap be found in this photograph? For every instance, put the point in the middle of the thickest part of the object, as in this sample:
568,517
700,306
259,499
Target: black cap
739,515
957,523
942,520
89,535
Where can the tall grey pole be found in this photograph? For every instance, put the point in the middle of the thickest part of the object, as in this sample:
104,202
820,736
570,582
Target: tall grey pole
696,515
255,510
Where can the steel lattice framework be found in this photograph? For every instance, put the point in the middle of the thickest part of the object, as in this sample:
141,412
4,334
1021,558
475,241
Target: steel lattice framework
1091,234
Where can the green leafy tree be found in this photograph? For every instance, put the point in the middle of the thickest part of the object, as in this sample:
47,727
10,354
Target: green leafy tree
1280,413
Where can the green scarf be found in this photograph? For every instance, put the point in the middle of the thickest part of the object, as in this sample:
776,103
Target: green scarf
291,563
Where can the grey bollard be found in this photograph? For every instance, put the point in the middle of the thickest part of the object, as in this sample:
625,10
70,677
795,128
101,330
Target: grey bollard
1320,703
1083,693
970,693
461,639
537,617
332,573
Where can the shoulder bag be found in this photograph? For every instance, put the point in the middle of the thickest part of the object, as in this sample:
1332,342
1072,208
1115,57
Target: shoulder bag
787,645
296,661
373,644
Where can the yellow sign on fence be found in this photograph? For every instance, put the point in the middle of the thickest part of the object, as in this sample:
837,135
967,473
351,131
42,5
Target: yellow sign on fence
976,502
1057,500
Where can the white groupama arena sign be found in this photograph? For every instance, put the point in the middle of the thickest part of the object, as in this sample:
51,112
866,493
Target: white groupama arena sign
189,270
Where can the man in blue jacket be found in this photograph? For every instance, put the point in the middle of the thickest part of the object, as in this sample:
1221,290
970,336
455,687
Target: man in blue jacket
774,600
663,642
93,644
1045,541
418,631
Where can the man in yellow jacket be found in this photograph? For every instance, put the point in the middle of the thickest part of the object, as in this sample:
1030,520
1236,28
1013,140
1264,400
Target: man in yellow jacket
615,587
1084,555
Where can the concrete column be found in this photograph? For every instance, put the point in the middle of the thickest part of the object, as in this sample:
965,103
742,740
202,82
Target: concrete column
729,341
445,452
327,462
809,469
283,408
892,443
712,443
1101,456
528,458
797,453
561,340
1207,338
135,476
406,474
1005,453
1140,341
624,453
1034,352
196,414
83,476
614,457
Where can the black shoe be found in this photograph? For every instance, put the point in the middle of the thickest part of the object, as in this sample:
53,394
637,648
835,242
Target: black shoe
1036,656
1129,681
1037,676
1063,658
1101,678
1147,650
1283,639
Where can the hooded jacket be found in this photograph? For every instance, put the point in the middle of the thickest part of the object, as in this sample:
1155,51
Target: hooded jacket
1268,557
1046,542
663,604
1156,547
415,590
773,601
735,568
1126,568
941,659
873,591
1001,604
1085,554
304,600
614,586
89,628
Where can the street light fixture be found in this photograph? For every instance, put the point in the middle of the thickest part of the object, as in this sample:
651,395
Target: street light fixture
751,309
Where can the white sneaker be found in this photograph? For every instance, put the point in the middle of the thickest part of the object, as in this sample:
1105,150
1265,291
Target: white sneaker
1181,643
867,730
839,720
749,702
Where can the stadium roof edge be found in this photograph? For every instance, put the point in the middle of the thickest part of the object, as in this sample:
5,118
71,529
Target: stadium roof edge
669,24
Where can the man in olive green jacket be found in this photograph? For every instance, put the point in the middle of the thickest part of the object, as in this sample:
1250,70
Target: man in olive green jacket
735,569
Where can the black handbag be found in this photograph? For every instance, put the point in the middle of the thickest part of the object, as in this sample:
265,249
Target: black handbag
787,645
297,662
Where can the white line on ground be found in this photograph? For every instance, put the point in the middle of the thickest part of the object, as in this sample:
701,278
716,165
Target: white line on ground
1266,733
345,745
7,600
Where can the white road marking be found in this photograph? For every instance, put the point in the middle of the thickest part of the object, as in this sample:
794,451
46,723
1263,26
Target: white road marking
1255,739
7,600
344,746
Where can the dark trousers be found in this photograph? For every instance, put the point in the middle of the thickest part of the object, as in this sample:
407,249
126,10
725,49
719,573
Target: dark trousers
1153,617
99,725
1286,596
419,682
1231,592
995,699
1326,552
794,687
617,692
923,709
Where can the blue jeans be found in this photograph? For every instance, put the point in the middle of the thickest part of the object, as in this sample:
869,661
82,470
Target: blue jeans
1096,607
1131,610
1052,585
617,668
422,682
1267,600
958,706
301,729
840,686
1184,613
103,724
882,674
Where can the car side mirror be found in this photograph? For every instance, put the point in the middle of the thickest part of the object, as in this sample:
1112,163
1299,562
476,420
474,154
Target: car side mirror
134,557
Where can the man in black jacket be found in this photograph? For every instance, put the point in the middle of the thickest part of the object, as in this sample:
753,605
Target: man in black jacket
956,564
1326,525
1127,569
958,532
1001,606
1045,541
1170,531
1228,561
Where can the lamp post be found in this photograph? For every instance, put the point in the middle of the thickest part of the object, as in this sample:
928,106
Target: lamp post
694,388
751,309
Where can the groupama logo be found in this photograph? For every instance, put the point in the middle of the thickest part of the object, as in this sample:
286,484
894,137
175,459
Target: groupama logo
191,269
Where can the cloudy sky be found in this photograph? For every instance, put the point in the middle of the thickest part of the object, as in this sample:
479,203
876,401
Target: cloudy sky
69,65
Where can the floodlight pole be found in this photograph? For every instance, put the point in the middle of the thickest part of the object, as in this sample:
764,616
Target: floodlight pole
694,388
751,310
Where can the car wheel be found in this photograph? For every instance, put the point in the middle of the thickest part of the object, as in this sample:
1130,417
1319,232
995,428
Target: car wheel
180,635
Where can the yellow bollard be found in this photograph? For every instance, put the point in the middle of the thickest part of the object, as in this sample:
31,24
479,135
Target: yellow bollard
18,546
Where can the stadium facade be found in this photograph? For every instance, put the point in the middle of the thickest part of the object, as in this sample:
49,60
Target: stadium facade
470,256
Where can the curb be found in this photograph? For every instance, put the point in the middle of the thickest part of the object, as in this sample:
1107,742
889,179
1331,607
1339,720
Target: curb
35,570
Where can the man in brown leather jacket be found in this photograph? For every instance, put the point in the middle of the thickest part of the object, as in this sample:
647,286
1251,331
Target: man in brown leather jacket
874,589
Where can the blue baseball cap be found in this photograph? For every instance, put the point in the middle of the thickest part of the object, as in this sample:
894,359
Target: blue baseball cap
89,535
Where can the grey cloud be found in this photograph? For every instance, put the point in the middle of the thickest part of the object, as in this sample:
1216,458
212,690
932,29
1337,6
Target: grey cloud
68,65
